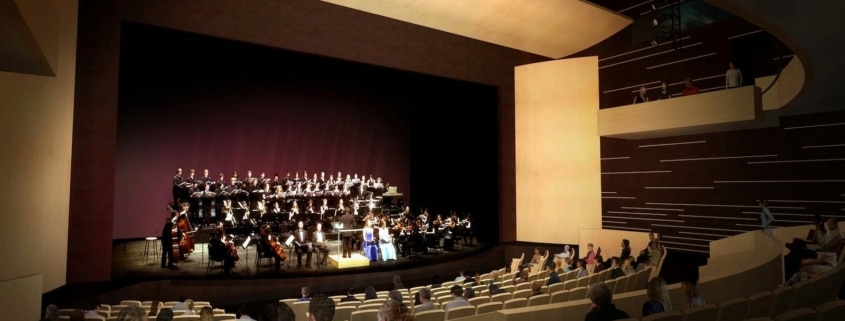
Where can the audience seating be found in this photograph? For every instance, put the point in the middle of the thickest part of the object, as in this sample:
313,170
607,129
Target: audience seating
783,298
517,262
583,281
611,284
501,297
803,314
365,315
194,317
733,309
225,316
560,296
524,294
665,316
487,307
523,286
353,304
343,313
760,304
538,300
515,303
578,293
707,312
621,284
460,312
555,288
363,307
299,310
479,300
431,315
830,311
571,284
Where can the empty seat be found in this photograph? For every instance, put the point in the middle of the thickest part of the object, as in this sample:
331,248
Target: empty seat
733,309
523,286
706,312
368,306
760,304
803,314
555,287
300,310
621,284
479,300
365,315
782,301
611,284
487,307
538,300
522,294
578,294
342,313
226,316
501,297
431,315
515,303
665,316
460,312
571,284
831,311
559,296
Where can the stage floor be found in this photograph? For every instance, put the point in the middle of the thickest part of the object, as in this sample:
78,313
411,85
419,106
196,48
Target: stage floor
130,261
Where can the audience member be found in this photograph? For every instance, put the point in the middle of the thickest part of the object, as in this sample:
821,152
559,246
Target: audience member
469,293
536,288
395,295
658,297
581,267
521,277
733,77
394,311
829,239
561,257
554,278
93,307
51,313
640,96
823,262
664,93
154,307
305,293
626,249
350,296
568,264
693,299
766,216
269,313
628,266
370,293
461,277
76,315
207,314
425,301
242,310
397,282
321,308
616,269
591,255
536,259
189,307
132,313
600,265
798,252
494,289
285,313
165,314
458,298
689,89
180,305
602,308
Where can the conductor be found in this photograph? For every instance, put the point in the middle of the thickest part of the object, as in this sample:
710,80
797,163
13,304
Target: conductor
348,223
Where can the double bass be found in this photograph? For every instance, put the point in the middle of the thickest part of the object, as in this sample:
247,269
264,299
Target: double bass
186,245
174,234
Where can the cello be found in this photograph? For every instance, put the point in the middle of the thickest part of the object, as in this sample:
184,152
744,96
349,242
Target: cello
271,241
186,245
220,231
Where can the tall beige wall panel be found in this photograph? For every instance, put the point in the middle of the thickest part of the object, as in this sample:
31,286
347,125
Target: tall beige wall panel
558,170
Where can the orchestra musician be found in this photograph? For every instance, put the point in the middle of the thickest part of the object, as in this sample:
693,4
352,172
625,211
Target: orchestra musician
220,248
318,239
325,207
348,223
268,250
302,245
294,211
167,241
309,209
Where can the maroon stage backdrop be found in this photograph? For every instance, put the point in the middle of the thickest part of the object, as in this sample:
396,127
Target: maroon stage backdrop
258,109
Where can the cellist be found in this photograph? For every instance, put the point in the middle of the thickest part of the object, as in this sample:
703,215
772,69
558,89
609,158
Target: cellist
271,247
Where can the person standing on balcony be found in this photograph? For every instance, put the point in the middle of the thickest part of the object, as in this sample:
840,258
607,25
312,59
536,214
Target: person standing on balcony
733,77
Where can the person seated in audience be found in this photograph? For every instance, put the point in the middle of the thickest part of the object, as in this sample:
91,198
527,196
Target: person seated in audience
207,314
165,314
76,315
798,252
425,301
92,309
561,257
394,311
494,275
823,262
521,277
469,293
132,313
270,312
189,307
285,313
154,307
536,288
321,308
626,249
461,277
830,239
397,282
305,294
51,313
458,298
494,289
180,304
370,293
658,297
602,308
474,280
690,289
581,267
553,278
640,96
628,266
600,265
615,269
567,266
242,310
395,295
350,296
689,89
536,259
664,93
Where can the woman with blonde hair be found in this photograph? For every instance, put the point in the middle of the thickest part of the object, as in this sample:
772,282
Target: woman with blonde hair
658,297
393,310
189,307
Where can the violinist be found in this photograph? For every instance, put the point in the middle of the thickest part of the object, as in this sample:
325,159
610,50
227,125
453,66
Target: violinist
309,209
325,207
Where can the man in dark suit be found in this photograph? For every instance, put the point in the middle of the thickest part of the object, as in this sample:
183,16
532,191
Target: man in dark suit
177,186
348,223
302,245
167,244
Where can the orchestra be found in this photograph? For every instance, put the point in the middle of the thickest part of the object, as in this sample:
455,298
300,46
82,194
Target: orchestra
286,207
